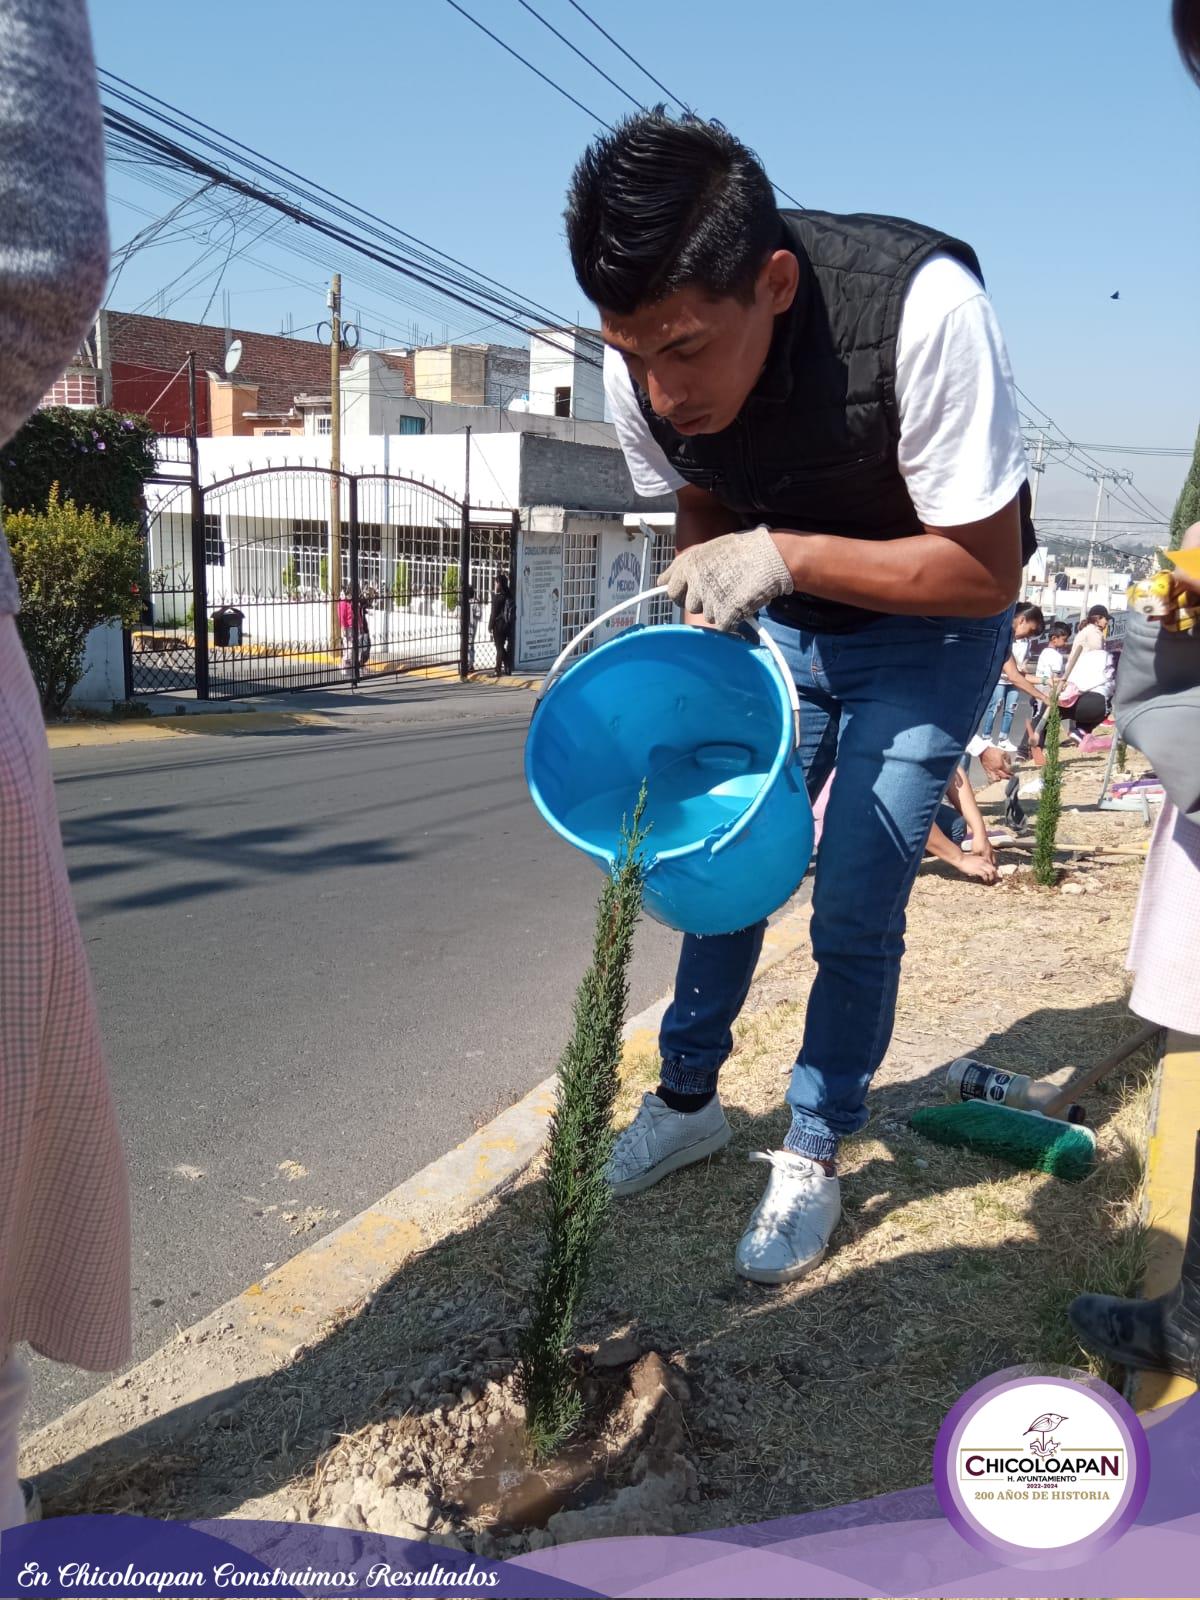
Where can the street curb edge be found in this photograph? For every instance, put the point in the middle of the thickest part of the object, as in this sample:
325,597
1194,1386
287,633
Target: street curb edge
175,1389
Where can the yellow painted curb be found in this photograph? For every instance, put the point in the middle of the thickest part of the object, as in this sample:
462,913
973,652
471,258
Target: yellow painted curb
1168,1197
72,736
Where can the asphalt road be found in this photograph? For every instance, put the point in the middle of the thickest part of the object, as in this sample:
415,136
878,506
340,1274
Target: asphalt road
323,956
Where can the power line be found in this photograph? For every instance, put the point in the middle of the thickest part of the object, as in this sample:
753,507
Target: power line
582,56
270,169
658,84
131,137
537,71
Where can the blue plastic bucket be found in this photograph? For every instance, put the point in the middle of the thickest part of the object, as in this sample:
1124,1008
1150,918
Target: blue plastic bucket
711,722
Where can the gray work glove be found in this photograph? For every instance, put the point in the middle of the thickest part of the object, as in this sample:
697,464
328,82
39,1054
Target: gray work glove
729,578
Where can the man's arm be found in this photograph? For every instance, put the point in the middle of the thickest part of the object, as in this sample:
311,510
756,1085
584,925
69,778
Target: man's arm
1019,681
962,797
698,518
969,571
971,866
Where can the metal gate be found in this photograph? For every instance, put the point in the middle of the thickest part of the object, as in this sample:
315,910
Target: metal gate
295,577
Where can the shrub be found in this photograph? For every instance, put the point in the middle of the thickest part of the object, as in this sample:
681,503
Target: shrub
76,569
402,584
99,459
450,587
577,1195
323,576
289,580
1050,803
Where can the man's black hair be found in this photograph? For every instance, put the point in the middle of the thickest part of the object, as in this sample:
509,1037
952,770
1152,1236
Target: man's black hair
1026,611
1185,17
1059,630
663,202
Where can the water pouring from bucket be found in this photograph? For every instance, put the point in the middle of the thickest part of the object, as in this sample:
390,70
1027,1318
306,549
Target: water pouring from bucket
710,722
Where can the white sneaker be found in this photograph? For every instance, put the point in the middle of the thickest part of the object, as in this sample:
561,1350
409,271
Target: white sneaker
659,1141
1030,790
789,1231
1008,747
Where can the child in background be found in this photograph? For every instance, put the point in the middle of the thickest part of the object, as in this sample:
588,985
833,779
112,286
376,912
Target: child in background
1053,659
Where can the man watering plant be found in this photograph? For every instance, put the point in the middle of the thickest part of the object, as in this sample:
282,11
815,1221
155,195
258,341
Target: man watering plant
830,399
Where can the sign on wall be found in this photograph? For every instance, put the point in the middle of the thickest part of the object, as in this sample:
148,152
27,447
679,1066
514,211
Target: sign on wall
539,598
618,577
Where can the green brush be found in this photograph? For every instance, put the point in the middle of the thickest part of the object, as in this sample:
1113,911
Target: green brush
1026,1138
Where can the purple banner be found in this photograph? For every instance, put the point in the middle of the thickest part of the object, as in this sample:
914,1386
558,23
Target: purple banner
900,1544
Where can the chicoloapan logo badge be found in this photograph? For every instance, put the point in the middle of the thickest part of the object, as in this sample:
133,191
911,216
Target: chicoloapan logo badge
1050,1466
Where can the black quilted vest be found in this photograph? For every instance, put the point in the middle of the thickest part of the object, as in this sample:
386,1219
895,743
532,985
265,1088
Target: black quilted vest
814,446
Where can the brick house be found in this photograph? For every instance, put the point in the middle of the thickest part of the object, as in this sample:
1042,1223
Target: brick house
134,362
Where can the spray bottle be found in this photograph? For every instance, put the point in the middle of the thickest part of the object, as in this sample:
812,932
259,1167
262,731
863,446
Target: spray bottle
969,1079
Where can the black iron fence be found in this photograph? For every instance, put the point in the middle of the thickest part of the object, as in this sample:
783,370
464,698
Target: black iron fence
294,577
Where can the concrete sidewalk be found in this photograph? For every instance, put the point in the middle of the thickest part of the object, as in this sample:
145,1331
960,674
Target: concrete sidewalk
172,716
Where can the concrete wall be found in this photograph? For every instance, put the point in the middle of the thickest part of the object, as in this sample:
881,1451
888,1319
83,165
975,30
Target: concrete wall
103,678
507,374
452,373
587,476
561,358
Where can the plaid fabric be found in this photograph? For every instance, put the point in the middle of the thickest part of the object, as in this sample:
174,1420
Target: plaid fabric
64,1207
1163,951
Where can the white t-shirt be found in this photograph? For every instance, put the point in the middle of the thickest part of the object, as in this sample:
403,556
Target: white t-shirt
1091,671
1020,650
960,450
1050,663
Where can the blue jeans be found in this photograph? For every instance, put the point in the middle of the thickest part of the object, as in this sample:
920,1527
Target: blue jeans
952,823
1004,694
891,706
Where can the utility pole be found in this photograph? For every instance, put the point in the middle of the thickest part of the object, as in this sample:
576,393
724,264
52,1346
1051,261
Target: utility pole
1100,478
464,569
199,552
1037,466
335,461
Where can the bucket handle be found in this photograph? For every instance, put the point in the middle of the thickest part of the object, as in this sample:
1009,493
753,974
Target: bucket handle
761,634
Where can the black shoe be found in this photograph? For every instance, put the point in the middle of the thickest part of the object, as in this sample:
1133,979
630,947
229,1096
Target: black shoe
1162,1334
33,1500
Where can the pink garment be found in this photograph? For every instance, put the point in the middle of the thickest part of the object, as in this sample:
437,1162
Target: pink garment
64,1205
819,805
1164,951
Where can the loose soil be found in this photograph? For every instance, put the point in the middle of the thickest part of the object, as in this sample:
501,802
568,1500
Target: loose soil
764,1402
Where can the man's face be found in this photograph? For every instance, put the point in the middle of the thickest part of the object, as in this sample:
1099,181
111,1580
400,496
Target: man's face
697,357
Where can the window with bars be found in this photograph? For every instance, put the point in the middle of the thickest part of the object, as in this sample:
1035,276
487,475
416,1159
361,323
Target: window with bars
324,424
309,539
580,559
214,540
662,553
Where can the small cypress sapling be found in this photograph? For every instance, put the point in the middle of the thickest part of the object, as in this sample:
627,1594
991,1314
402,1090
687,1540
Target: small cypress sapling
1050,803
576,1192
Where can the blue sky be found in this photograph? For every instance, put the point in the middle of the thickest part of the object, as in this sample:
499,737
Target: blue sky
1058,139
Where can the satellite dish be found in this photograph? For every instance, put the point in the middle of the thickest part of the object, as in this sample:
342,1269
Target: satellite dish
232,356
